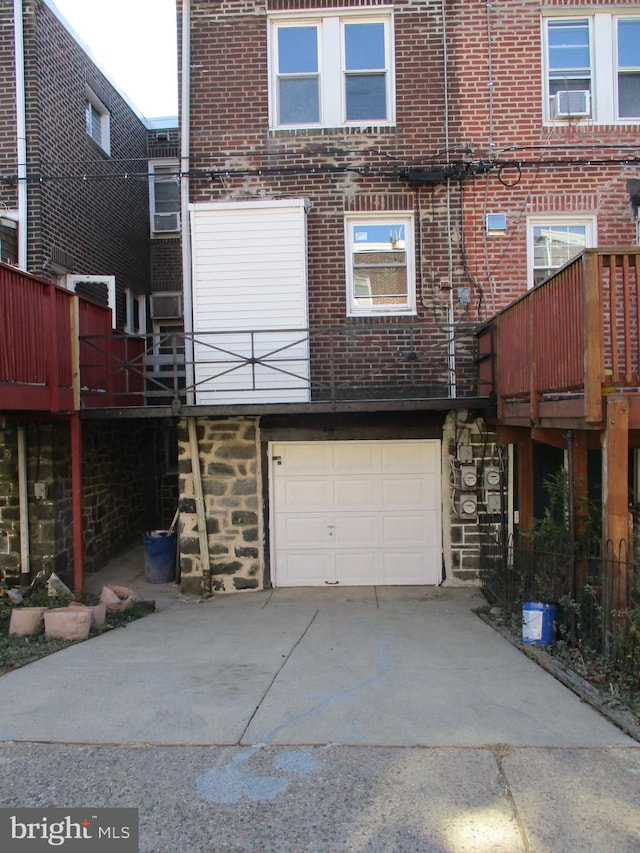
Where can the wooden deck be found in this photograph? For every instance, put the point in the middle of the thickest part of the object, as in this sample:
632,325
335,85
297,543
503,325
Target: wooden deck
564,347
41,326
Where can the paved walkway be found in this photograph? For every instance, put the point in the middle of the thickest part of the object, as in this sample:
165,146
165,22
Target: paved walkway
387,719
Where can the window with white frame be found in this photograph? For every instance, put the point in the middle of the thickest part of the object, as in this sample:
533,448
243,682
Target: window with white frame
164,197
135,313
331,71
97,121
553,240
592,68
380,264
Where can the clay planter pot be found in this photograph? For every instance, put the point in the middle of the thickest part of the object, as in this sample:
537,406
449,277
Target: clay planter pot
68,623
26,620
98,613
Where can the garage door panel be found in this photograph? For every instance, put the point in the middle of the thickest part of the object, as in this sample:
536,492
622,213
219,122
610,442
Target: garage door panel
406,493
357,568
356,512
404,530
303,530
354,530
408,568
409,457
298,460
306,568
356,493
355,457
304,494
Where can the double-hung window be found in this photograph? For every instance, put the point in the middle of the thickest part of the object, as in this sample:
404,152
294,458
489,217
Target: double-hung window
97,121
380,265
592,68
331,71
555,239
164,197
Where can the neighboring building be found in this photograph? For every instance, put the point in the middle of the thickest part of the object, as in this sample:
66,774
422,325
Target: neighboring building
75,211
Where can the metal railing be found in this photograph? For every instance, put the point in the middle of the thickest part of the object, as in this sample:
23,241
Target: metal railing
353,362
598,589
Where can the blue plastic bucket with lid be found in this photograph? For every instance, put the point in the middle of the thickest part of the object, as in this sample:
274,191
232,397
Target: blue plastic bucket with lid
539,622
160,556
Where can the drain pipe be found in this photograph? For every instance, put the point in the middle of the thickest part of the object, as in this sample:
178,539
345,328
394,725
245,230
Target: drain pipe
185,119
23,502
21,132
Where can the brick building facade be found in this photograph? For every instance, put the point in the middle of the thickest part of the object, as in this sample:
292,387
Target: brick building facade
486,137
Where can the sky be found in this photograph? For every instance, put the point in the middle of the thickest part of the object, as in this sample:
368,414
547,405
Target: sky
139,57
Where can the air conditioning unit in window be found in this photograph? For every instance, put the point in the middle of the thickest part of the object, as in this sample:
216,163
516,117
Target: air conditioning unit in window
572,104
166,222
166,306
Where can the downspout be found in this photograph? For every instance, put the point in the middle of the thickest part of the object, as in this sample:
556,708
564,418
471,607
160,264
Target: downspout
23,501
21,132
451,307
185,119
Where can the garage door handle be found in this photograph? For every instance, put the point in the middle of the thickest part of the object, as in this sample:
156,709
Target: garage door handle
332,583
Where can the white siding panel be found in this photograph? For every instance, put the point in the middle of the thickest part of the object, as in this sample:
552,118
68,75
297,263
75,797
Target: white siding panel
250,275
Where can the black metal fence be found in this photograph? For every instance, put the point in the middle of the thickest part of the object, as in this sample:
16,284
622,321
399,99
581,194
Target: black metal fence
596,587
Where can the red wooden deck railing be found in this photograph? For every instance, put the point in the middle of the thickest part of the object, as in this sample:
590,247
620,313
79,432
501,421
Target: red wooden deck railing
40,329
575,337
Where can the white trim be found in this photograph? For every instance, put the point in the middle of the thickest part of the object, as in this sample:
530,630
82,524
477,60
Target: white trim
603,49
105,120
586,219
72,281
131,298
172,166
402,217
331,72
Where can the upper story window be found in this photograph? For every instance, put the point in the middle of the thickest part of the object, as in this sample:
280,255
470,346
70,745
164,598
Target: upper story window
380,266
592,68
97,121
555,239
331,71
164,198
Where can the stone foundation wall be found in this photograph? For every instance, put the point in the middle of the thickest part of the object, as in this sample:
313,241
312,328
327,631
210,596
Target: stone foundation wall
472,513
229,458
9,503
115,499
117,474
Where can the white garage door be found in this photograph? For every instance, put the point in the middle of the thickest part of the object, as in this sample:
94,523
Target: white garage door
355,513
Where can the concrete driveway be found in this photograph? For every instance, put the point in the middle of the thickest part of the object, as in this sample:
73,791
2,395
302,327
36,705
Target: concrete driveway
375,720
385,666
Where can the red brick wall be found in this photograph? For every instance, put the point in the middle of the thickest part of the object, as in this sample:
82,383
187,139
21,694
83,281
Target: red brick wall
493,80
89,208
569,167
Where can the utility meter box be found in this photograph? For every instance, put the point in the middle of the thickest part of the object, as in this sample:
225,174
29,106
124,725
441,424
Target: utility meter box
492,478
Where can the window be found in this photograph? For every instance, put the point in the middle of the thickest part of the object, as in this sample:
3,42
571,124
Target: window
628,68
593,68
97,121
331,71
164,198
380,269
135,313
554,240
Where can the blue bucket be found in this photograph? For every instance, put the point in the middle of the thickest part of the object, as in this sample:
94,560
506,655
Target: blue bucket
539,622
160,556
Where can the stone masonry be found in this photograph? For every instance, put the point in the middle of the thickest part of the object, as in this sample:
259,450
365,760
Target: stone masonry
470,447
229,458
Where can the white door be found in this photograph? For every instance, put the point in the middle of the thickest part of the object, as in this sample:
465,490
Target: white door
250,302
356,512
